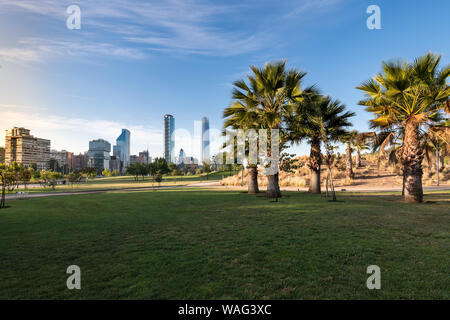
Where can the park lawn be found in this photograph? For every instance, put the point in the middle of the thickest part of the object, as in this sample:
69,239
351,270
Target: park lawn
200,244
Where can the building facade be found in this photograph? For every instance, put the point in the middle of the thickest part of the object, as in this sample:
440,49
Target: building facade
23,148
80,162
99,155
144,157
114,164
133,159
205,140
122,148
63,160
169,137
2,155
181,157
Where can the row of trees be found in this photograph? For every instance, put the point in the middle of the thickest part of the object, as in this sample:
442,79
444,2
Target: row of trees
14,175
156,168
406,99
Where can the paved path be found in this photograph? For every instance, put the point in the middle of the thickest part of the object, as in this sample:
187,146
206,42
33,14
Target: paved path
211,185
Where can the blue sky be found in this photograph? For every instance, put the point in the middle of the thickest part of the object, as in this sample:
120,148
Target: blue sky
133,61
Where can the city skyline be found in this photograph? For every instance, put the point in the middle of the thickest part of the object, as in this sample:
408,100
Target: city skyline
79,82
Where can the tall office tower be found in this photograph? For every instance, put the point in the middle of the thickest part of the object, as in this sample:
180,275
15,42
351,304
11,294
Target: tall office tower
205,139
98,155
181,156
21,147
169,137
122,148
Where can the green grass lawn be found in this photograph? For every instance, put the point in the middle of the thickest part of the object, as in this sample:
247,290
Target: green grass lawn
199,244
121,182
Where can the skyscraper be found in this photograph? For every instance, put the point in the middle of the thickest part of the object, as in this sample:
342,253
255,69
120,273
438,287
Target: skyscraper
122,148
169,138
205,139
181,156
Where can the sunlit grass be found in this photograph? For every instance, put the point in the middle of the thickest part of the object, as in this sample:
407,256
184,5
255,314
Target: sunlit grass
199,244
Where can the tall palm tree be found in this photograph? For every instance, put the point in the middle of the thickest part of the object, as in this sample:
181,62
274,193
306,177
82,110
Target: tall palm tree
271,91
320,120
242,114
408,97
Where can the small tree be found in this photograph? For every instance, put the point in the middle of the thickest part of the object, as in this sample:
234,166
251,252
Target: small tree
8,180
158,178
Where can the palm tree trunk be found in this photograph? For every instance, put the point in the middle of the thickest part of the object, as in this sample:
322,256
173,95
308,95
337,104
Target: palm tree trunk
358,158
315,160
271,188
437,166
349,165
252,179
277,185
412,162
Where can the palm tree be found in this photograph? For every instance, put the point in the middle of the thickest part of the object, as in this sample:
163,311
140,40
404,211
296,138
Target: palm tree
349,138
320,120
437,140
361,143
271,91
408,97
241,114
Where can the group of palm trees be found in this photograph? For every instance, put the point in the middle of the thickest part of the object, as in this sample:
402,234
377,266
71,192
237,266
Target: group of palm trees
407,99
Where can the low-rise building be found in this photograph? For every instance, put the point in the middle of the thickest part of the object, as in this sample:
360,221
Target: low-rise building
23,148
62,160
115,164
144,157
99,155
80,162
133,159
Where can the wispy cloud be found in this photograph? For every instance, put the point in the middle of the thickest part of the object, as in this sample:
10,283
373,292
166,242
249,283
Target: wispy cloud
40,50
134,28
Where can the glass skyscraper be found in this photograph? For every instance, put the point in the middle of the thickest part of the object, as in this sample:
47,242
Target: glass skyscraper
122,148
169,137
205,140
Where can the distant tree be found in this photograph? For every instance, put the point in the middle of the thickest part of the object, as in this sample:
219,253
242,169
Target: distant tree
132,170
160,165
106,173
74,177
158,178
206,167
25,174
349,138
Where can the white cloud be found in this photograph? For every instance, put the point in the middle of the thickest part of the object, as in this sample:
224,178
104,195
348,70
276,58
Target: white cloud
74,134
